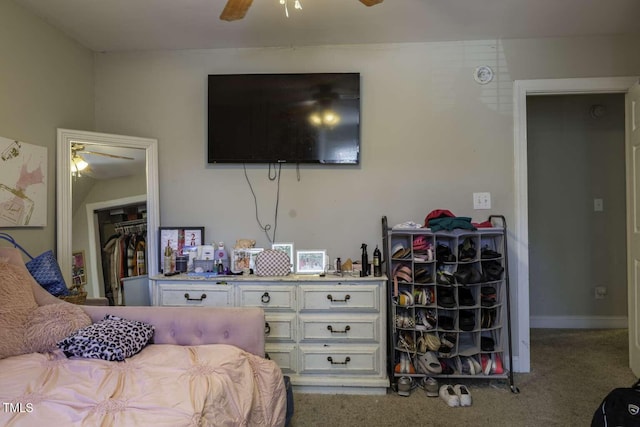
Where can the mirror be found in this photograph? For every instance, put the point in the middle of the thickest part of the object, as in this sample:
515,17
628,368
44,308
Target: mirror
94,145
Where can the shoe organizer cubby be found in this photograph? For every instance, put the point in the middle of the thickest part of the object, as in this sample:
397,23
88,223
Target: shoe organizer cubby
450,289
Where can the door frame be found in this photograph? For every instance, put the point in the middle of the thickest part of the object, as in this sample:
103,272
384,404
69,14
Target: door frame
93,234
520,240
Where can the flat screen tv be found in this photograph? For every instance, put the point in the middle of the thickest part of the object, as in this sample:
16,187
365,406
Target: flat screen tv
284,118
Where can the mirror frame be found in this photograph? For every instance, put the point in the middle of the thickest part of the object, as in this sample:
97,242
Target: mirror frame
64,183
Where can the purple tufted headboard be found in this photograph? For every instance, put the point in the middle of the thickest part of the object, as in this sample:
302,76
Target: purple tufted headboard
239,326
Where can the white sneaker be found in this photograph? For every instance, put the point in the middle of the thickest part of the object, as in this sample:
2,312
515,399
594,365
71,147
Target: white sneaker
463,394
448,394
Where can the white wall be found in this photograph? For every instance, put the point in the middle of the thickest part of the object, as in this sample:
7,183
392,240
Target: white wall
431,136
46,82
572,159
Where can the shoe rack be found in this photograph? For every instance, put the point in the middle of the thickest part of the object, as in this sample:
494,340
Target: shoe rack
448,303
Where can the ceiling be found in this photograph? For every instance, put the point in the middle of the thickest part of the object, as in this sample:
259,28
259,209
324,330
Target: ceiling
107,167
133,25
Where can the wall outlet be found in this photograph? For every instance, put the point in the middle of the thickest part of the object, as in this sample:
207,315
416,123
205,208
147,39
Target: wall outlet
600,292
481,200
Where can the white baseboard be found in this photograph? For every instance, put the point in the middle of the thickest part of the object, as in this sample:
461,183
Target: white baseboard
579,322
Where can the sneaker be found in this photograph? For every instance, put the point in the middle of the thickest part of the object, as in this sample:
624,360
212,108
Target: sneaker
405,386
430,386
463,394
448,394
496,364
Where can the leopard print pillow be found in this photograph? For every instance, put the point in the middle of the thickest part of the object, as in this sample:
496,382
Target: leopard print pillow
112,339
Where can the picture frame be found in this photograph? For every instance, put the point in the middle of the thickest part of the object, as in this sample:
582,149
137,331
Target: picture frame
287,248
244,258
180,239
311,261
253,253
78,269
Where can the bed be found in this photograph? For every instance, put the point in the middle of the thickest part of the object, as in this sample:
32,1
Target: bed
202,366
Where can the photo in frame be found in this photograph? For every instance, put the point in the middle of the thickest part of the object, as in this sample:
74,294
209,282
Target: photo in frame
287,248
78,270
253,253
244,258
179,239
311,261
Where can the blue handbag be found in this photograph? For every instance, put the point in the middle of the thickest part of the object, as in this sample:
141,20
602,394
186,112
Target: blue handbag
44,268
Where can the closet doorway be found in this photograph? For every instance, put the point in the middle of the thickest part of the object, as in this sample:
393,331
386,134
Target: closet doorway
577,211
100,230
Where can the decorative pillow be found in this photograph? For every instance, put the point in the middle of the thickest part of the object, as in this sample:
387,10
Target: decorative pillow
111,339
48,324
16,302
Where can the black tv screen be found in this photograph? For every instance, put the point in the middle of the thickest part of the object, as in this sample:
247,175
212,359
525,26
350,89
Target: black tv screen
284,118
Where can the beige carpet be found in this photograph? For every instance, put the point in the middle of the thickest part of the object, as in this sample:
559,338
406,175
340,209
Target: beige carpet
571,372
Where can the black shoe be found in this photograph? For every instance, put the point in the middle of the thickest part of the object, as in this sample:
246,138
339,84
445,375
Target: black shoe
487,344
487,253
465,297
445,297
445,322
492,270
467,320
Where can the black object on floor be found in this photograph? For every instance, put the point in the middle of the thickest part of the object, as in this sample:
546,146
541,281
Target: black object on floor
621,407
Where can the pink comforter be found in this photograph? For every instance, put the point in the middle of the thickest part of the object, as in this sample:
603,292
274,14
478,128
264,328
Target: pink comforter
164,385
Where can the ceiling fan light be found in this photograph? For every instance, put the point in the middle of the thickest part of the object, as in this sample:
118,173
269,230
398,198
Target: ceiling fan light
330,118
78,164
315,119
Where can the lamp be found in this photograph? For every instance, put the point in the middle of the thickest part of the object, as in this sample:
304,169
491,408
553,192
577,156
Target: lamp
77,165
296,4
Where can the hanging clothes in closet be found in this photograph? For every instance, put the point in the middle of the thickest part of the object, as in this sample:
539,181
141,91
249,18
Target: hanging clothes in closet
125,253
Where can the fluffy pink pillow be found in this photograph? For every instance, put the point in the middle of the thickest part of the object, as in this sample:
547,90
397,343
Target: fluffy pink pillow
16,302
48,324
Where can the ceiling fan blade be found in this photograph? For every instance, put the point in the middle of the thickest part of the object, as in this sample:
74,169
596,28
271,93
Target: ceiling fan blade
113,156
235,9
370,2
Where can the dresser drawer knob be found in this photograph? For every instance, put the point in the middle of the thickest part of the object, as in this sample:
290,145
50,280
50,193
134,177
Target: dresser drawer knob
346,298
203,296
267,328
265,298
346,329
346,360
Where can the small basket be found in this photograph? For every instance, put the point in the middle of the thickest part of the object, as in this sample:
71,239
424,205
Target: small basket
205,264
75,298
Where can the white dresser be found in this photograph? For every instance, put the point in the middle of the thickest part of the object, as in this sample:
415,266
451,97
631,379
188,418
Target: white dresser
328,334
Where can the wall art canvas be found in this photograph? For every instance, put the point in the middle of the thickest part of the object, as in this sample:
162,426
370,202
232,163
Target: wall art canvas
23,184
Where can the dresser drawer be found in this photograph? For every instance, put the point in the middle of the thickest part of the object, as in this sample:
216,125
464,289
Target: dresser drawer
267,297
343,298
339,327
280,327
184,295
286,356
340,359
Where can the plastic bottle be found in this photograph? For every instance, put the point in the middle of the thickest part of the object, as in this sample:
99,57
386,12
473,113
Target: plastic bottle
377,262
222,256
365,261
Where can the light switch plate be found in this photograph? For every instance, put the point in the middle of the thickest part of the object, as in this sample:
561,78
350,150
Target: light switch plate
598,205
481,200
